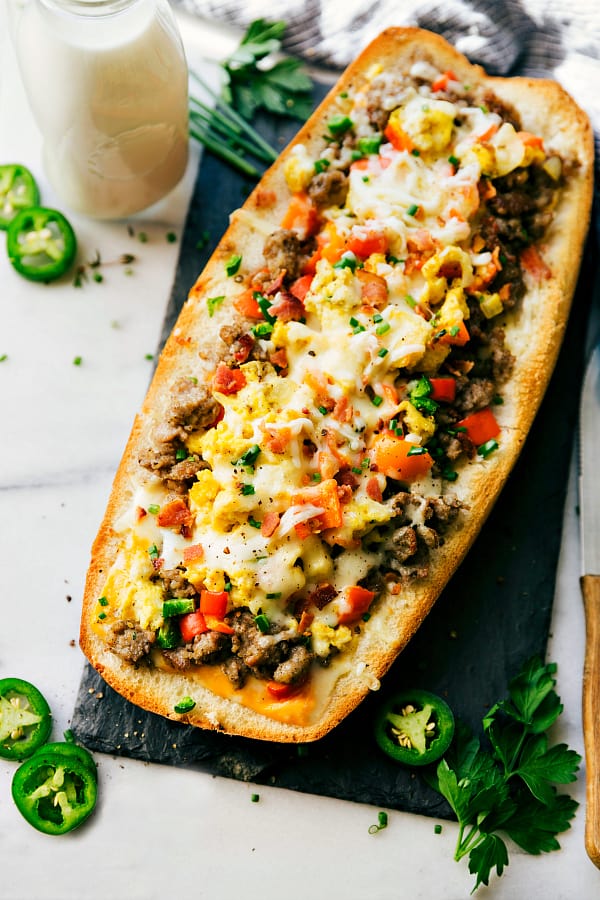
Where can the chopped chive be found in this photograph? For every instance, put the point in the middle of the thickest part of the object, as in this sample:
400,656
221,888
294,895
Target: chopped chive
377,400
321,165
149,357
153,509
249,457
415,152
316,476
262,623
497,400
410,301
143,237
253,522
416,451
247,490
184,705
181,454
382,821
449,474
383,352
323,410
4,357
274,596
377,318
338,125
356,470
453,161
412,210
153,551
78,360
233,264
213,303
171,237
254,798
102,601
487,448
437,829
102,615
383,328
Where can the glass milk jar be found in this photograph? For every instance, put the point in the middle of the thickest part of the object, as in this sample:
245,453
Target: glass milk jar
107,84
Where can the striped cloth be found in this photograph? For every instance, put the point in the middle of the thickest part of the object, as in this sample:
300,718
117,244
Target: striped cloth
548,38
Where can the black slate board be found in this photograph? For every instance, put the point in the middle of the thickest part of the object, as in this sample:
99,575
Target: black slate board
493,615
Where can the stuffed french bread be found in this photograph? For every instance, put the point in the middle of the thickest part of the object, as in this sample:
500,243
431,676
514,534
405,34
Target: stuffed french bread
343,396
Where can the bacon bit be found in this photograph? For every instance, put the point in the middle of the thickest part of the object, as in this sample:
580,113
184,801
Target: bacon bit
306,620
228,381
193,553
450,270
140,513
320,389
373,288
488,273
420,241
277,441
504,292
275,285
288,308
347,477
322,595
534,264
301,287
389,392
174,513
344,493
158,563
343,411
243,347
279,358
398,138
373,489
270,524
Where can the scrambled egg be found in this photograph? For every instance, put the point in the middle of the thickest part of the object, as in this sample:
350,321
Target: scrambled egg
427,122
130,593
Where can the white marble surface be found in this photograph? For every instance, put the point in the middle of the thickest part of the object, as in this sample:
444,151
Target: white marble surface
160,831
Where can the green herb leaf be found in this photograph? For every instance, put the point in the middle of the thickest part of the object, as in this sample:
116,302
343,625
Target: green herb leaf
233,264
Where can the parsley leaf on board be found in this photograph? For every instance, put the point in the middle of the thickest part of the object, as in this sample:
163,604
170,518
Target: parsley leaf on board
253,83
509,787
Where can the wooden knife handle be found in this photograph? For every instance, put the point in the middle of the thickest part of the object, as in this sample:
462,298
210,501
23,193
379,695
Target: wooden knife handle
590,588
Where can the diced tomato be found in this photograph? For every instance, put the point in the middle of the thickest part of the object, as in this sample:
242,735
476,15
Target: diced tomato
480,426
443,389
398,138
193,553
325,496
301,286
373,289
213,603
301,216
331,243
228,381
174,513
488,133
354,603
459,339
247,305
370,242
441,83
396,458
360,164
283,691
192,624
533,262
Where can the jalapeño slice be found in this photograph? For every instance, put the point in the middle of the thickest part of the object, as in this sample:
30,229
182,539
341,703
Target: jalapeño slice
18,190
414,727
25,719
55,790
41,243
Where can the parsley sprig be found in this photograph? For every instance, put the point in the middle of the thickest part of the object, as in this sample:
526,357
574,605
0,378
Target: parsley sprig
256,76
509,787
